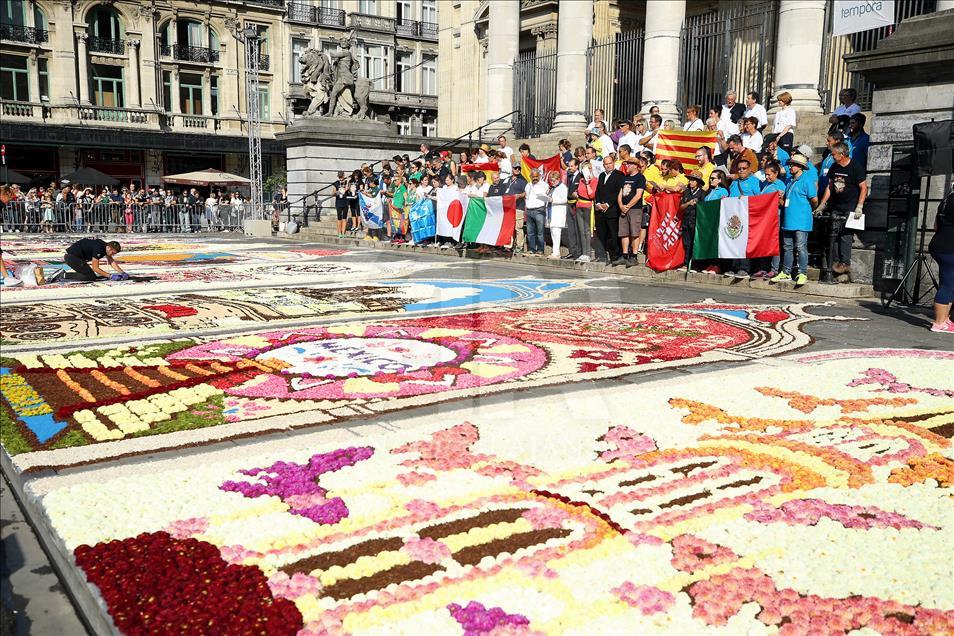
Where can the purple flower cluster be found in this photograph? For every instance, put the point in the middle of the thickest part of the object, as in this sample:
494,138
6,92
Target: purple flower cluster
297,484
477,620
808,512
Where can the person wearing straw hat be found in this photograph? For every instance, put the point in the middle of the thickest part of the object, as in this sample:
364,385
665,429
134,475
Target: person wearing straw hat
801,195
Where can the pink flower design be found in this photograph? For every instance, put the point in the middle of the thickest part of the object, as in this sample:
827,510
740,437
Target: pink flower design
544,517
426,550
647,599
808,512
415,478
690,553
187,528
291,587
629,444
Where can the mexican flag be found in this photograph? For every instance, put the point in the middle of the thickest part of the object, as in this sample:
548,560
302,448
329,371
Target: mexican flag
451,207
737,227
490,221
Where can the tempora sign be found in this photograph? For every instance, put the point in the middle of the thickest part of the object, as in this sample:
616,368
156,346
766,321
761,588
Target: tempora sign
851,16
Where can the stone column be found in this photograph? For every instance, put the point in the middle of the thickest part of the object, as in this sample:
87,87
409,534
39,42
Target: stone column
83,67
33,73
574,37
503,44
801,31
176,106
62,64
132,88
661,56
207,93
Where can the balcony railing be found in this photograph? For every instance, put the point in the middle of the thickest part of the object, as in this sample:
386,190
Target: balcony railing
414,29
30,35
118,115
189,53
309,14
278,4
372,22
16,109
106,45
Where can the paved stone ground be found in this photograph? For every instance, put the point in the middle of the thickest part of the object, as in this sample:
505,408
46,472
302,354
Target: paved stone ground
34,602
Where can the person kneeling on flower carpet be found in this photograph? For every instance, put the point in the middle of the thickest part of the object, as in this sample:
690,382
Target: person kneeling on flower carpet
84,255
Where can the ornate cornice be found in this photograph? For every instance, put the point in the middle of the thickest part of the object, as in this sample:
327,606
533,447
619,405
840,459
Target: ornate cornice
546,31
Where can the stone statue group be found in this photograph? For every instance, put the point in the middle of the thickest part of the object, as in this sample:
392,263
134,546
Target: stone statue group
332,82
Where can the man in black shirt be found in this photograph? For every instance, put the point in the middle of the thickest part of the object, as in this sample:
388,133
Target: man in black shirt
84,255
341,201
607,210
631,209
846,193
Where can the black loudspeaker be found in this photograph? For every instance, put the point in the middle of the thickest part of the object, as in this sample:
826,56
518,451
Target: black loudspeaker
934,147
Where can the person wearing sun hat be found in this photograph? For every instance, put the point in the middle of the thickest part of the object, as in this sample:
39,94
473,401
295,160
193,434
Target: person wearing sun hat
801,196
693,194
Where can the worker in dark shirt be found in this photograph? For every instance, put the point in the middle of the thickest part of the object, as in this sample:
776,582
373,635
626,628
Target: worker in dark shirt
84,255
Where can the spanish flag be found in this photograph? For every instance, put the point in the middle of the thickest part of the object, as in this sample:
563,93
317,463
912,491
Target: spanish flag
487,167
549,164
682,145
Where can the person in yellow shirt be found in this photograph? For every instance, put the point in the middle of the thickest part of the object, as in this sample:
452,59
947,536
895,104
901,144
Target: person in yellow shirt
705,165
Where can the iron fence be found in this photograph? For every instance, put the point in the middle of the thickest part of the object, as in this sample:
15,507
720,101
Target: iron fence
834,71
92,217
17,33
614,80
106,45
534,93
732,48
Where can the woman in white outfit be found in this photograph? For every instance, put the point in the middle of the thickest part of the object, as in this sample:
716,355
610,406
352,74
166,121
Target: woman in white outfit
556,210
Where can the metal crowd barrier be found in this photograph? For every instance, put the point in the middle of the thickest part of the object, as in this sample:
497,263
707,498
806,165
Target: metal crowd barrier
35,217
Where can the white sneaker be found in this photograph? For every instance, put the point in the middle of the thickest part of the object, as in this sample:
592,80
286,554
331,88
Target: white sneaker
583,259
12,282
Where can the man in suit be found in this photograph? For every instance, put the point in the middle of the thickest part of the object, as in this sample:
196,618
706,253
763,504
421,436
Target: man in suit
607,211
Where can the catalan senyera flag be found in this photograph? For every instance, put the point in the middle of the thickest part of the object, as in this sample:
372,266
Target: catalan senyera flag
682,145
487,167
549,164
737,227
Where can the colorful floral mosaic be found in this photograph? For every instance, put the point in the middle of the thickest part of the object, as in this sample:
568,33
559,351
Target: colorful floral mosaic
165,394
143,316
805,495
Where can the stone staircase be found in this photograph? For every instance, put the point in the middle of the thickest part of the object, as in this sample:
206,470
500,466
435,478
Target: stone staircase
325,232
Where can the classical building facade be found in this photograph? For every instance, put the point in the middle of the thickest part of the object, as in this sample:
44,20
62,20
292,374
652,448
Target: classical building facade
556,60
142,89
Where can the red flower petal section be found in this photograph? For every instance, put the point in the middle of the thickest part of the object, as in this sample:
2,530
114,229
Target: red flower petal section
156,584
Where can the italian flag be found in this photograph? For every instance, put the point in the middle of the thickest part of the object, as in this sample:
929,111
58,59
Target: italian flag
490,221
737,227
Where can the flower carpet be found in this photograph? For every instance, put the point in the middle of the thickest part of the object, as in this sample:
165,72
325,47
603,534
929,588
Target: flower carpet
807,494
89,404
109,318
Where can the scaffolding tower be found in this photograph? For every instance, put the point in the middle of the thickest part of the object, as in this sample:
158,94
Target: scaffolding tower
250,38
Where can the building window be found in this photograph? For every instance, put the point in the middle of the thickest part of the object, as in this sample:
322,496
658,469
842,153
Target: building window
264,104
429,11
14,78
429,74
298,50
430,127
330,4
404,77
190,94
167,91
39,20
405,10
375,65
214,88
13,12
108,86
368,6
403,124
104,23
43,67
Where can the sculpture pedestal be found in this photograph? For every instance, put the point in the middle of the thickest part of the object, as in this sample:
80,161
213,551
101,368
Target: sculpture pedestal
259,228
316,148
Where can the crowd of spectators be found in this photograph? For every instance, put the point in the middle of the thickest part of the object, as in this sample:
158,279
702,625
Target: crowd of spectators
100,209
599,205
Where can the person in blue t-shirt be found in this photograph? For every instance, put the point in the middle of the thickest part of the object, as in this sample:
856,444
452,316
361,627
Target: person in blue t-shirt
773,183
801,197
858,140
747,185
